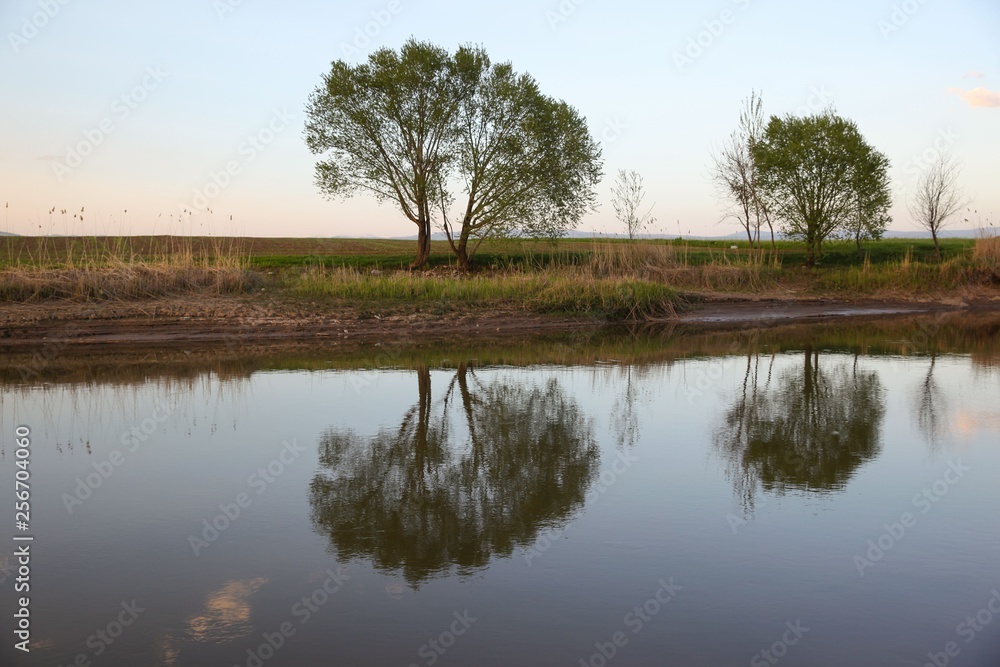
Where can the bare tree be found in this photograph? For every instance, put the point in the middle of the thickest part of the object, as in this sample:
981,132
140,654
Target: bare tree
735,172
752,128
938,197
731,177
627,195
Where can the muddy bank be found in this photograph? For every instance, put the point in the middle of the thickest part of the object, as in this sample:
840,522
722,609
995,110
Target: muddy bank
766,312
232,321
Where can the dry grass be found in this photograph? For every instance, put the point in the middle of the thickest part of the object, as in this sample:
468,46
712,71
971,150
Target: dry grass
987,256
672,265
109,269
129,281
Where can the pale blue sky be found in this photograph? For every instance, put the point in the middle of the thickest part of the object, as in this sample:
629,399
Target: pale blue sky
200,77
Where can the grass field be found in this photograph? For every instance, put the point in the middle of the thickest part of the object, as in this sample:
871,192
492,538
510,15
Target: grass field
269,253
604,277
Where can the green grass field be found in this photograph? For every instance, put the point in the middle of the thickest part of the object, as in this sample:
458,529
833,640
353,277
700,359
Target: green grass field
366,254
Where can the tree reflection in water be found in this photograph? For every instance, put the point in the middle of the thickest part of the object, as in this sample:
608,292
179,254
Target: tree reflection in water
420,500
807,428
931,407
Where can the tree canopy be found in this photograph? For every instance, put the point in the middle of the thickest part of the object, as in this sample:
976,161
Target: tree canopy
415,126
818,175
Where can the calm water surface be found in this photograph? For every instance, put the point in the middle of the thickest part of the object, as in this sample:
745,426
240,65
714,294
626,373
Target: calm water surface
809,496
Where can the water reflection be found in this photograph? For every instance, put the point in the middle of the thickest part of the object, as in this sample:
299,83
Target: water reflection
226,617
428,496
931,408
451,469
807,427
227,612
624,411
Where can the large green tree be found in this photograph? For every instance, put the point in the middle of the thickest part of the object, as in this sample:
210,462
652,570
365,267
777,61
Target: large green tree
417,126
818,175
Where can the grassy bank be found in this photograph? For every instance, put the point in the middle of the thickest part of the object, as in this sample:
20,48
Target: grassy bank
600,277
554,291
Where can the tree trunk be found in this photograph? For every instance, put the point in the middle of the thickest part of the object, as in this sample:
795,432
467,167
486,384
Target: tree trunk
423,245
464,263
815,244
462,253
937,246
462,250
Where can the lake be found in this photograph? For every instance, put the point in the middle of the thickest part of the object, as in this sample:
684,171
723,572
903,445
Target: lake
806,495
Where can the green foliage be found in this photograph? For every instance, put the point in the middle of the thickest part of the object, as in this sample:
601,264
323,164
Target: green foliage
526,162
554,292
818,176
409,126
872,198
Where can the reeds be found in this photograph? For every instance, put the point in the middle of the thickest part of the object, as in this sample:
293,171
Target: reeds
672,265
110,268
987,256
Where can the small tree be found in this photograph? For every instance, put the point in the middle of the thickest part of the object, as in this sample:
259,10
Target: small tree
626,198
872,199
812,172
938,197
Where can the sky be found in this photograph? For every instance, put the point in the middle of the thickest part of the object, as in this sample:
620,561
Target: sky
133,112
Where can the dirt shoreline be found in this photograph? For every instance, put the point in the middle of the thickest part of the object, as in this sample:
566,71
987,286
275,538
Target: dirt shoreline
227,320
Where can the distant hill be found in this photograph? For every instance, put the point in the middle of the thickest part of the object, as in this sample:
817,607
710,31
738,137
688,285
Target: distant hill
741,236
945,234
